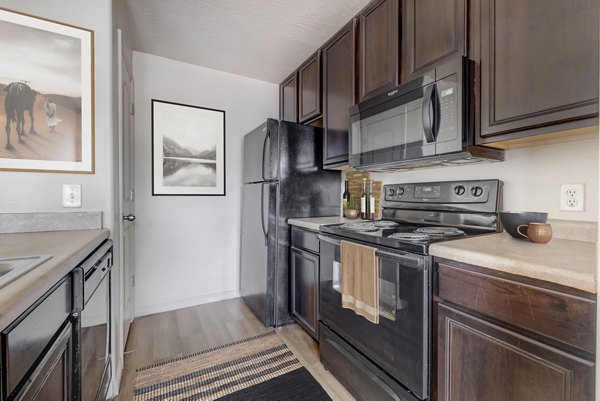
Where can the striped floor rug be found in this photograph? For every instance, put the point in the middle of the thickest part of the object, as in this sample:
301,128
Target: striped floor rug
258,368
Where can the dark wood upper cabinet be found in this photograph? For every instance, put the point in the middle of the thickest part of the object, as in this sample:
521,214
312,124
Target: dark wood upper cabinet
478,360
539,67
309,88
432,31
338,94
288,99
378,48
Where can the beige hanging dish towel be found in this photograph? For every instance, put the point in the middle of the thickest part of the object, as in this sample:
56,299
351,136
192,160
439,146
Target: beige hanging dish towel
360,281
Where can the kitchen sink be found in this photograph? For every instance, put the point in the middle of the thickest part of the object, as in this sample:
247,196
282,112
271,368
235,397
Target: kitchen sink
13,268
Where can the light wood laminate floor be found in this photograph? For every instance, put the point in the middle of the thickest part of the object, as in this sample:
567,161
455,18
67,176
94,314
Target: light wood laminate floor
182,332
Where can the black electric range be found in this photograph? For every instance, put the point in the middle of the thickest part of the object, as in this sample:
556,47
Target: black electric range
391,359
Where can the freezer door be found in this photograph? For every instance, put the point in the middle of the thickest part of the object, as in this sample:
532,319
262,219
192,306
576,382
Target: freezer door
258,244
261,153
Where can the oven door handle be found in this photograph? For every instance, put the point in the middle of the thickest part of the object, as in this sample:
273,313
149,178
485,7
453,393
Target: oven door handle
371,375
328,239
405,259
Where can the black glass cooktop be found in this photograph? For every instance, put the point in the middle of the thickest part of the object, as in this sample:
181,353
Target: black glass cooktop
401,236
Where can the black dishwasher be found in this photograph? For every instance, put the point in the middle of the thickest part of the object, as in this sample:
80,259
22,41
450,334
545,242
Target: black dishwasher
92,365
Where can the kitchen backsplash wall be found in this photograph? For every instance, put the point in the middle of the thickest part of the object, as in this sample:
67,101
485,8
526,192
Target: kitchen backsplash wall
187,247
532,177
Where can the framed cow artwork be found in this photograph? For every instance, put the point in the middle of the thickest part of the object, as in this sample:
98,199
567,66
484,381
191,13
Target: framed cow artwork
46,95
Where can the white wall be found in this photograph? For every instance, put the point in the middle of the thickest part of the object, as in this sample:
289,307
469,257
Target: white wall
187,247
532,177
28,192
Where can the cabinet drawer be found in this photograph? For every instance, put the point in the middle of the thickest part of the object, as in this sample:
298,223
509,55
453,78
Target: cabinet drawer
305,239
559,316
24,341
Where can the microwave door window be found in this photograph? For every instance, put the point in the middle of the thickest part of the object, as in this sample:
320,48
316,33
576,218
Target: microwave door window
391,135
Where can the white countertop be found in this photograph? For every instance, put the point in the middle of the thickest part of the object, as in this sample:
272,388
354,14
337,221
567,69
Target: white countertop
561,261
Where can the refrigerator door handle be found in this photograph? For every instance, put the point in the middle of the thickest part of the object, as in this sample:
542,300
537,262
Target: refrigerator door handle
262,213
264,153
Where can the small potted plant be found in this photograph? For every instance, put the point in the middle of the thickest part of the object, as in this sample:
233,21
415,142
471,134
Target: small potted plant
352,209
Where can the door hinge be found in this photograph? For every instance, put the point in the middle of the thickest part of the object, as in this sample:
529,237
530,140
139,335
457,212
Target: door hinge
132,281
132,109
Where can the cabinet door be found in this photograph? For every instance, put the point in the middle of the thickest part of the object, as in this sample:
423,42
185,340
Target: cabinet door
433,31
378,50
539,66
305,290
309,88
51,380
477,360
338,94
288,99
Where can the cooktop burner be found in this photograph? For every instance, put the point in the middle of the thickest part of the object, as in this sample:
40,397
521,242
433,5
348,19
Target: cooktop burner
385,224
364,227
410,236
440,231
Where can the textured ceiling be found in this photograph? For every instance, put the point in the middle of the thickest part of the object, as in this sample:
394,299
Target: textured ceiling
262,39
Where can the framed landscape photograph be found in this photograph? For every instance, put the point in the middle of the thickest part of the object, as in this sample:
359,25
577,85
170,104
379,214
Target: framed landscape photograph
188,150
46,95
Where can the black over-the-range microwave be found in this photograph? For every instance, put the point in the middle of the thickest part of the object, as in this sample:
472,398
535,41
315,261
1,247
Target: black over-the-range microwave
425,122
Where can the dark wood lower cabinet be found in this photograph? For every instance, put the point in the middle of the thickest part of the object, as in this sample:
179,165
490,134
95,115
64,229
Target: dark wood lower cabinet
52,379
305,289
478,360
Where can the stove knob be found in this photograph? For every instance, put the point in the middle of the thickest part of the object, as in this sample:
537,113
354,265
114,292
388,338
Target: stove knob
476,191
459,190
400,191
390,192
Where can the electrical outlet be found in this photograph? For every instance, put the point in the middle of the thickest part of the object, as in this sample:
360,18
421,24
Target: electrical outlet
71,195
572,197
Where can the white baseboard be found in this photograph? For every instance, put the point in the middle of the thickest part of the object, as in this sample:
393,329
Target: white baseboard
184,303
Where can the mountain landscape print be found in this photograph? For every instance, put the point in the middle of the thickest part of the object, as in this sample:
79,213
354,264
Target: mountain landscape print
186,167
191,149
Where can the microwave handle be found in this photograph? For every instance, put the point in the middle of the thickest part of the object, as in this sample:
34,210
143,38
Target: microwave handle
430,113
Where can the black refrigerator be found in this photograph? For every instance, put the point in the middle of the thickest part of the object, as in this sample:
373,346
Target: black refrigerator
283,178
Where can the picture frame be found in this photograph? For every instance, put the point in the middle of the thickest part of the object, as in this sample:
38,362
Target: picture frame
46,95
188,150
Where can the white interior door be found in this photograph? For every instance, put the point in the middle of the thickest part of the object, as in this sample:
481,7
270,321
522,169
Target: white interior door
127,200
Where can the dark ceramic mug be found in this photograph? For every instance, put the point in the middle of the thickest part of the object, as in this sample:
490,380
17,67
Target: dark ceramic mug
538,233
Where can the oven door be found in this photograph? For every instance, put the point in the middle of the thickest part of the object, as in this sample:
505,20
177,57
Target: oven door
399,344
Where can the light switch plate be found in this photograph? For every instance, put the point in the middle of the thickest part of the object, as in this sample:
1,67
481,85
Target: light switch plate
71,195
